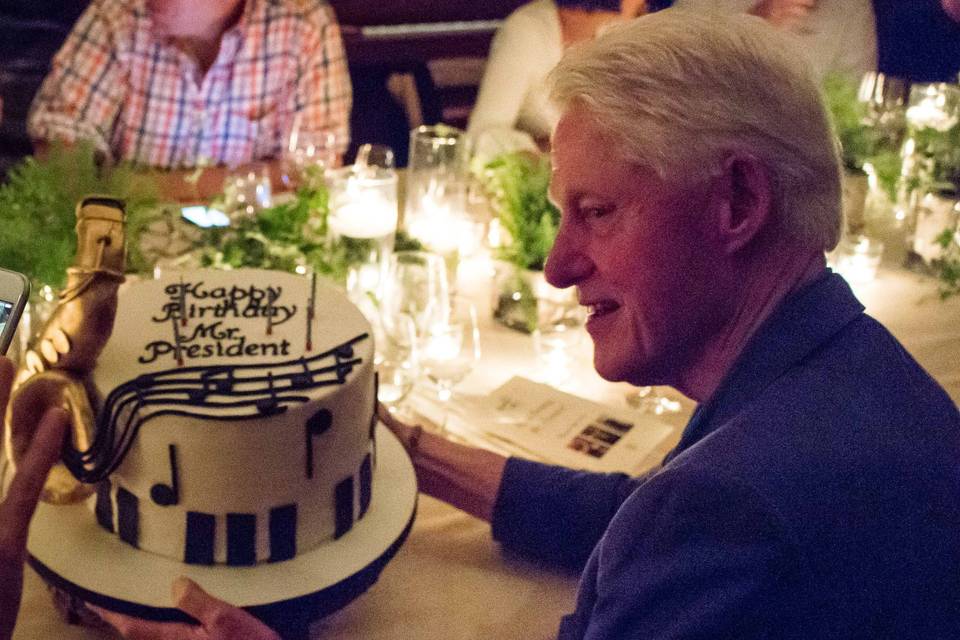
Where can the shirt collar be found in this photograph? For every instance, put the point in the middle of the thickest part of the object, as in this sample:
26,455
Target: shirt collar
803,322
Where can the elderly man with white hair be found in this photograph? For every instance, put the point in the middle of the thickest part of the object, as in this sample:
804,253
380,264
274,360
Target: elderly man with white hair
815,492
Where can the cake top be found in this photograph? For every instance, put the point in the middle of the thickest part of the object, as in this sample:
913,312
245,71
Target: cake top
231,344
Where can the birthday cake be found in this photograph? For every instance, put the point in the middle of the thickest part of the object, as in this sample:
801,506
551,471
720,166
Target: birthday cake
236,417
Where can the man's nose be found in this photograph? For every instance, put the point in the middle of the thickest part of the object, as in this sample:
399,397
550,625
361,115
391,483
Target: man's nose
567,265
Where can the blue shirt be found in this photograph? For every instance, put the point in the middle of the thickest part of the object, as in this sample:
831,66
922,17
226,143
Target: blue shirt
815,495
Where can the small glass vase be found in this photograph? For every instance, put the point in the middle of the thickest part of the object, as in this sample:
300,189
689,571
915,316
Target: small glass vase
524,301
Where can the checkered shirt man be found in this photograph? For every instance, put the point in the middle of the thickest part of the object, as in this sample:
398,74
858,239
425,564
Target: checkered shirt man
139,98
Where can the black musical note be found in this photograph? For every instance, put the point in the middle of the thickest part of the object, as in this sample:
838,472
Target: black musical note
167,495
317,425
343,352
261,389
302,380
269,406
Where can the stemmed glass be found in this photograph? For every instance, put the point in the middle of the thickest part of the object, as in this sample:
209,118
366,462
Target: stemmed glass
396,362
450,349
307,149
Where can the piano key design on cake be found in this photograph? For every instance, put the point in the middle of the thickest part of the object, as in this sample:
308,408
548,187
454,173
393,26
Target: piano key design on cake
241,530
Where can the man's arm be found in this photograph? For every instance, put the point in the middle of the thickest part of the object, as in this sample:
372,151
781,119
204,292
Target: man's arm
549,512
695,555
81,96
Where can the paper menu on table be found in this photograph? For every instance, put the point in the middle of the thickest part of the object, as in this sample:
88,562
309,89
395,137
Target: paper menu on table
561,428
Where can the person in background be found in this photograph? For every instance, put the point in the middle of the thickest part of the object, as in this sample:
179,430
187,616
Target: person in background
513,109
838,36
919,40
177,85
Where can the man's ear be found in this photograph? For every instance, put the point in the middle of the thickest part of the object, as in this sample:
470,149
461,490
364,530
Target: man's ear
746,194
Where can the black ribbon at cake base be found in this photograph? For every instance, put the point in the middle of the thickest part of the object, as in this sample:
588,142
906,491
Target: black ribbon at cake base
290,618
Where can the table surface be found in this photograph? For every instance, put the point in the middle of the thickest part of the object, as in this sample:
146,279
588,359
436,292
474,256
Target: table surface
451,580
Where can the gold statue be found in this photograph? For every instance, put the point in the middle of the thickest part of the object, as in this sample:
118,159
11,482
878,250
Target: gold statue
55,369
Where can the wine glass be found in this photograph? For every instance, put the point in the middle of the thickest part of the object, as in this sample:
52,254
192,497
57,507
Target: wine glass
450,349
396,363
306,149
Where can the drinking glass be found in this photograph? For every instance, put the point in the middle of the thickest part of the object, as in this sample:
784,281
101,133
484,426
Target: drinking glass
558,334
436,210
396,362
416,286
450,350
886,98
247,190
363,218
306,150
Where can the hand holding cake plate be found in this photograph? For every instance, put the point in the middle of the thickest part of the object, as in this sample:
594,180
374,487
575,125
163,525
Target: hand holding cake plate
218,619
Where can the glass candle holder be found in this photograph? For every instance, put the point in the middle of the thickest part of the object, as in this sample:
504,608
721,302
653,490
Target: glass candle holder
363,220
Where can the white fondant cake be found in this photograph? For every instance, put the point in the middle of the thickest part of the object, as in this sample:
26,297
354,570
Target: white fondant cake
236,417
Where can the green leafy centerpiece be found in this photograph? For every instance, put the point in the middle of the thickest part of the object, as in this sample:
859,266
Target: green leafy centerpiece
37,205
517,183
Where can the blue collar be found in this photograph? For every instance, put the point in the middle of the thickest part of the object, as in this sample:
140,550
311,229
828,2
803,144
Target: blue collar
804,321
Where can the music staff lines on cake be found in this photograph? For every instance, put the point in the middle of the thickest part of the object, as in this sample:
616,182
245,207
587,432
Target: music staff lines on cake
203,392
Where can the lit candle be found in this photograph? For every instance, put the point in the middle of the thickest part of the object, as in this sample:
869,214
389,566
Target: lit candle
442,345
364,215
930,113
857,260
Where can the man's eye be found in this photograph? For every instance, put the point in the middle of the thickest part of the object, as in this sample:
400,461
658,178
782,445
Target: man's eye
593,213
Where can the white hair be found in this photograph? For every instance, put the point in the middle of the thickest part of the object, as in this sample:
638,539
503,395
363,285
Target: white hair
676,91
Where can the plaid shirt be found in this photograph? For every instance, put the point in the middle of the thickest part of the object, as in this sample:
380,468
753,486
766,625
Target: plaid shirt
139,98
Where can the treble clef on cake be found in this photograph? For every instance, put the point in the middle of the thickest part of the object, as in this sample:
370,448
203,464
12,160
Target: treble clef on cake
54,371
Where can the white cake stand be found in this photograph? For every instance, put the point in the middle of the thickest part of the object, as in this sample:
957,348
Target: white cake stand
70,551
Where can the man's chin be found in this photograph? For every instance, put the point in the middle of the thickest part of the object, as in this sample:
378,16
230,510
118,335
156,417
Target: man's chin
624,371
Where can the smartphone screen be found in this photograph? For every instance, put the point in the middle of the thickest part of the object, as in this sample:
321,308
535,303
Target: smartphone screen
205,217
6,308
14,290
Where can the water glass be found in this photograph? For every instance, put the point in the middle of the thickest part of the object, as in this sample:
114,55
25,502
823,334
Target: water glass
396,362
415,286
247,190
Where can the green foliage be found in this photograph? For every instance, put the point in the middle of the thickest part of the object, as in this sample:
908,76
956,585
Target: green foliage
38,205
289,236
283,237
860,143
518,184
849,121
936,159
947,265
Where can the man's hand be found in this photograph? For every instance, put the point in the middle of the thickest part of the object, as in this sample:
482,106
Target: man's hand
218,619
21,500
783,13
